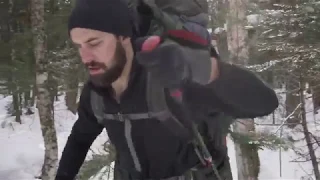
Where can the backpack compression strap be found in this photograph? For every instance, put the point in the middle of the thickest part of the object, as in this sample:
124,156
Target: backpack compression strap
187,38
98,108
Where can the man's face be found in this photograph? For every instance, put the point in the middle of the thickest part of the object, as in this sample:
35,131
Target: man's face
102,53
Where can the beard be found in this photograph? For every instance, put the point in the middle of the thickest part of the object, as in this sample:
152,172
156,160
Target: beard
111,73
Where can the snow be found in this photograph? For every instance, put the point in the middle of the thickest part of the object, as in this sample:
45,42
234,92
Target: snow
22,150
254,19
270,160
219,30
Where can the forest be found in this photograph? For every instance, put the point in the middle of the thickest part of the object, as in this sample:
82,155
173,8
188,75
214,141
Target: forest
41,78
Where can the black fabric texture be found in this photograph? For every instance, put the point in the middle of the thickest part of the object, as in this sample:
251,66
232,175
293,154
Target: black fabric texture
111,16
84,132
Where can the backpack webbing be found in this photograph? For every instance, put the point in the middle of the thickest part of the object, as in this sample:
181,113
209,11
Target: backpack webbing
158,109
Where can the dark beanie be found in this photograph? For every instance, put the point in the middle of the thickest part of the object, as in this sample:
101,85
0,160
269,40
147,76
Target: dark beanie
111,16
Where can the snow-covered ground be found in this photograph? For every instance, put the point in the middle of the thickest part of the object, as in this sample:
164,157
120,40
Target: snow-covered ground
22,151
279,164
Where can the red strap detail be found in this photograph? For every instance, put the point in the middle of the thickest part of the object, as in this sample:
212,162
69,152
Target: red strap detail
208,163
176,93
151,43
187,35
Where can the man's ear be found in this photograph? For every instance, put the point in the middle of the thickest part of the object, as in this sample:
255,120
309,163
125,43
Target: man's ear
125,41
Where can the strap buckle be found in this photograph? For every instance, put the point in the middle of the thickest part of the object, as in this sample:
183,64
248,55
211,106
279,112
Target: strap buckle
120,117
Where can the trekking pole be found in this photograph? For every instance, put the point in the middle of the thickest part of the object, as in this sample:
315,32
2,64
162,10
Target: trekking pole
177,95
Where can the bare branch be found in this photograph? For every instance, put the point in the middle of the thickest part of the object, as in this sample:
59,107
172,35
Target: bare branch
288,117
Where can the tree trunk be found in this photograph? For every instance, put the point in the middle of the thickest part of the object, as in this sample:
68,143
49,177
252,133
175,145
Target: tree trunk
16,105
222,46
236,34
71,101
12,79
315,90
306,131
52,86
43,94
27,102
33,96
222,42
292,101
247,157
72,93
26,99
15,90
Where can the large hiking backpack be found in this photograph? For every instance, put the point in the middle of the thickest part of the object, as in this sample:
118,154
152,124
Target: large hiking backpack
191,15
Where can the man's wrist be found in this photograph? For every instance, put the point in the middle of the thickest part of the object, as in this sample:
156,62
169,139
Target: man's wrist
214,70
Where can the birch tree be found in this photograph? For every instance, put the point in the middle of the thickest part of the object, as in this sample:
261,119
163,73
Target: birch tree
247,157
43,92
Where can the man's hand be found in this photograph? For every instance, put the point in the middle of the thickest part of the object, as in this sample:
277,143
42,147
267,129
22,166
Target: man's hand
214,70
172,63
165,61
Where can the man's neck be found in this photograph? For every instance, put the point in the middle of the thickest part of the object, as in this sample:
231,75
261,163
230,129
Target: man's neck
121,84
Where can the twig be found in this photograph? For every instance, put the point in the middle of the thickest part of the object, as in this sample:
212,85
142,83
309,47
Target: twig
315,139
92,151
288,117
259,124
305,171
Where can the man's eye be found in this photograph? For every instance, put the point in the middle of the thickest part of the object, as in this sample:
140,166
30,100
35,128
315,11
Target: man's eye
94,43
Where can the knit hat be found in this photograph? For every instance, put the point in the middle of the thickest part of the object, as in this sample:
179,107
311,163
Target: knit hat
111,16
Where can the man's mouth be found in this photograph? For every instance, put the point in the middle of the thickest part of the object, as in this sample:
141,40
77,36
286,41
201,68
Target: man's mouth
94,70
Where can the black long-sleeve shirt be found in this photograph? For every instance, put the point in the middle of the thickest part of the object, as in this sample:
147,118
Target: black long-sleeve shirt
237,92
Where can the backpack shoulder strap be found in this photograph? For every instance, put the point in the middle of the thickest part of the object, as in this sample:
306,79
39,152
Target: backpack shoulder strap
98,108
97,105
157,105
156,98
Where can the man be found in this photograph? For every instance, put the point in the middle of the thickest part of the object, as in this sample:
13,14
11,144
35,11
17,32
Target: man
147,149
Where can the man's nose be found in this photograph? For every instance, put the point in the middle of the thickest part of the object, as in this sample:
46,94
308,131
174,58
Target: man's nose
86,55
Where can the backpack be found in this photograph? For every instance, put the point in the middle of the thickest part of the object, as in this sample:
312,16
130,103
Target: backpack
190,15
